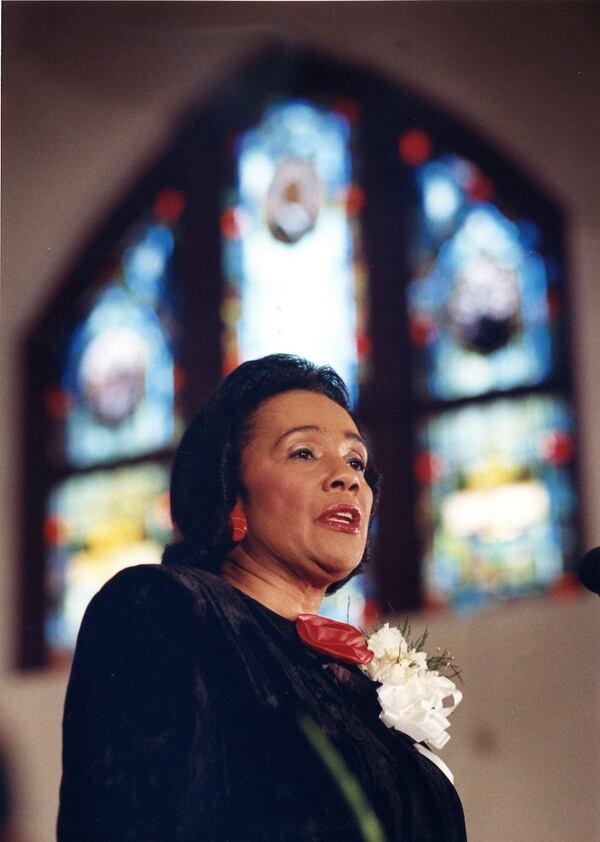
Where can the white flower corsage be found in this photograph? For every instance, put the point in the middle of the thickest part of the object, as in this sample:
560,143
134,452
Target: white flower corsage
414,695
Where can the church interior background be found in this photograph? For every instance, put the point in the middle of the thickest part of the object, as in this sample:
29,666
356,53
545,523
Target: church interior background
404,191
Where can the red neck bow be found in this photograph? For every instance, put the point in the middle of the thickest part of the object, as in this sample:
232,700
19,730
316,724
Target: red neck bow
339,640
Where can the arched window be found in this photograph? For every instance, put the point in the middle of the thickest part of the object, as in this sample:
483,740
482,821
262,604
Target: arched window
320,210
495,437
292,243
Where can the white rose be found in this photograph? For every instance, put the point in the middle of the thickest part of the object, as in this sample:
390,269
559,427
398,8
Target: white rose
399,673
387,643
419,659
378,670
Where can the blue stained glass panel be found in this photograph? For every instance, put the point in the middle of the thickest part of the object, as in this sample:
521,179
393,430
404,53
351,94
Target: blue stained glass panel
478,301
292,261
347,604
146,263
97,523
497,505
119,371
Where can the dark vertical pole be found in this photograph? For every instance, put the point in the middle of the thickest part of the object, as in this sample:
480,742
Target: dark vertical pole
388,407
30,506
202,286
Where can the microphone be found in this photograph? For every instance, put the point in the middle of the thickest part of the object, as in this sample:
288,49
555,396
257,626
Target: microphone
589,570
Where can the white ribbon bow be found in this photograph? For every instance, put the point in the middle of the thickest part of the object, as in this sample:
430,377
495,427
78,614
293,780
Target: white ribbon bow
417,707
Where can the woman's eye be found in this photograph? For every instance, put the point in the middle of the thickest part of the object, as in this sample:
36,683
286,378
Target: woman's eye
357,463
303,453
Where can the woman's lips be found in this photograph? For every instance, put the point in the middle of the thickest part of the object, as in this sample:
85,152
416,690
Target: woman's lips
342,517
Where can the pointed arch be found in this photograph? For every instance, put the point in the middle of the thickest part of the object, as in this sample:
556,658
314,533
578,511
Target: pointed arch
440,266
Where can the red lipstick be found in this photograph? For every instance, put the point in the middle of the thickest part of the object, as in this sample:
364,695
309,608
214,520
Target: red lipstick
343,517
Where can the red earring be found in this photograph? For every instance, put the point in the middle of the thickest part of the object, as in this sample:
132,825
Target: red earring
238,523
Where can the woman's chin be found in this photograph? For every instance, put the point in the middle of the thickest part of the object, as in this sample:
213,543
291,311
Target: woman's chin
335,569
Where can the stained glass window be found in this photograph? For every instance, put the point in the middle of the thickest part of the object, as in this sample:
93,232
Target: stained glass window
97,523
422,265
291,249
497,499
114,399
292,254
116,396
480,300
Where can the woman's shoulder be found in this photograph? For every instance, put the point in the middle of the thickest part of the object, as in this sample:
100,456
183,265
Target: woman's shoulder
166,597
152,614
154,580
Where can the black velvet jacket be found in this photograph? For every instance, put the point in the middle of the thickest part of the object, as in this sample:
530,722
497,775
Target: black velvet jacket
182,723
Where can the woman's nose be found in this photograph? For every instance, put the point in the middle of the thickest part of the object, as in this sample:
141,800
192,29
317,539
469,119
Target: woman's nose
342,477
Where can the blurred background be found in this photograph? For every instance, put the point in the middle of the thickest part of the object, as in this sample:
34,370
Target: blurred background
407,191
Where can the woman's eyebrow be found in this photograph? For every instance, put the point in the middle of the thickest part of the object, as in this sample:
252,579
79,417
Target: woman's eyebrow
356,437
315,428
303,429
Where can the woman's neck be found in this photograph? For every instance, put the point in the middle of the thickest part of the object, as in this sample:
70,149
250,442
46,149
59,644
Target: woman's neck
275,589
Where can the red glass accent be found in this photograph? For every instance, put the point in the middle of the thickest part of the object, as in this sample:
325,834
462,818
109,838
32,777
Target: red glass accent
58,402
558,448
230,363
179,378
355,199
364,346
370,613
59,660
330,637
414,147
162,511
554,302
169,205
348,108
55,531
480,188
566,588
229,224
435,603
422,330
428,467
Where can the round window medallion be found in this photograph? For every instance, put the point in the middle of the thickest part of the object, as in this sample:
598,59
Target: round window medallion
484,305
293,200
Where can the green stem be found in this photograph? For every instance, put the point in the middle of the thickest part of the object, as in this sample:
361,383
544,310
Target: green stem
368,823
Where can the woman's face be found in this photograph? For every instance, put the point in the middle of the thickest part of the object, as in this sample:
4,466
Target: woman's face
306,499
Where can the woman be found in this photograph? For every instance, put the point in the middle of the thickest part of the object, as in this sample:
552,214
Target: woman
192,696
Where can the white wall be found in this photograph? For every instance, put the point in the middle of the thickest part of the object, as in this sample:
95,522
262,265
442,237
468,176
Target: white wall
91,90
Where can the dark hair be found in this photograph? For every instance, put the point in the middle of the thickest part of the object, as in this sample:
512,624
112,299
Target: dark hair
205,481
